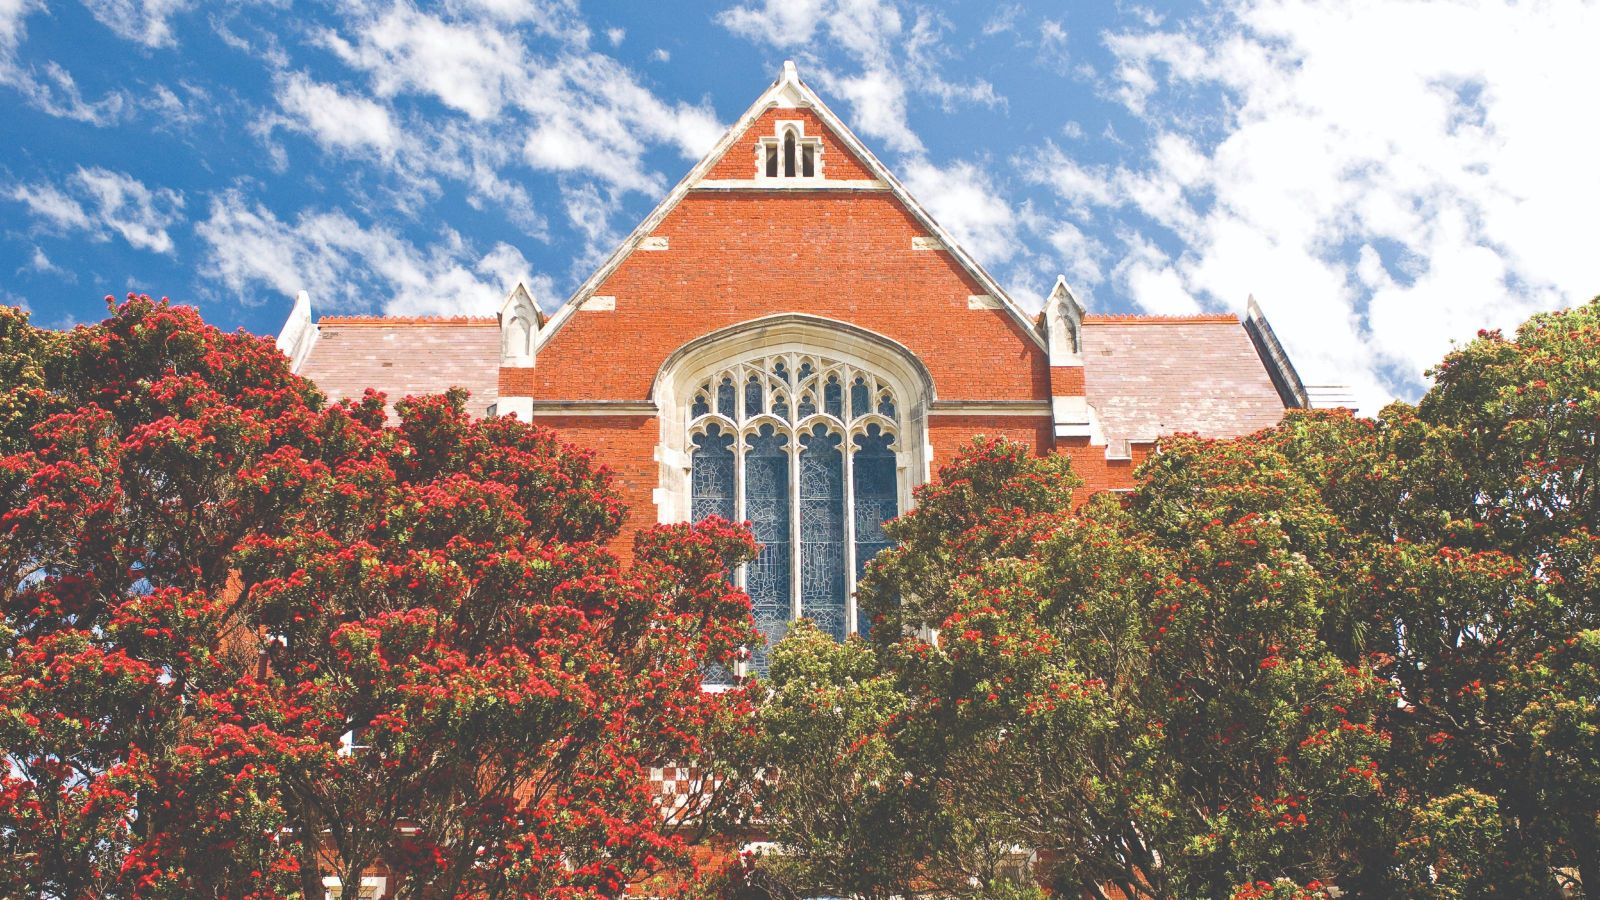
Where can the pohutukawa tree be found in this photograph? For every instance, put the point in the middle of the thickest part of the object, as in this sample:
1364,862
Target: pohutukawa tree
1338,652
251,639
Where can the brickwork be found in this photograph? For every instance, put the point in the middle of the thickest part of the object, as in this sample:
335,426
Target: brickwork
948,434
626,446
1066,381
738,256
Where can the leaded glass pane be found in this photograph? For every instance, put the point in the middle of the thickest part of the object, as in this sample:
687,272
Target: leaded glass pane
780,407
711,474
877,500
886,405
766,505
860,398
752,397
725,398
780,371
808,406
700,407
833,397
822,582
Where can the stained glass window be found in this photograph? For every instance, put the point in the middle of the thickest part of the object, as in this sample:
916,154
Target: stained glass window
766,498
752,397
859,392
822,530
877,498
833,397
712,474
798,483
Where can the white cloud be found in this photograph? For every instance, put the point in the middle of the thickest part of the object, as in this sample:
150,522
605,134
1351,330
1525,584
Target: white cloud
964,200
616,35
47,87
890,61
337,120
132,210
345,265
1002,20
574,110
143,21
100,202
50,204
1383,177
1147,273
12,30
42,264
660,54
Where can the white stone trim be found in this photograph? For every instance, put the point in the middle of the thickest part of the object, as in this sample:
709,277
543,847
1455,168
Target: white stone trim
926,243
600,303
594,408
1033,408
654,242
773,143
790,184
982,301
521,407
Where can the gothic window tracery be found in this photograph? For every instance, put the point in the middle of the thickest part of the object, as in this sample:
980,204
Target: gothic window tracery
804,447
789,153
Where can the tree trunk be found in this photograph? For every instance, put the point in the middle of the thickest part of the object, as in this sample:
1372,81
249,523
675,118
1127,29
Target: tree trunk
310,862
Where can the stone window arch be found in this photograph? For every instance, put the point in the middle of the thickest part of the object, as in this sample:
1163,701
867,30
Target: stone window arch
788,154
813,431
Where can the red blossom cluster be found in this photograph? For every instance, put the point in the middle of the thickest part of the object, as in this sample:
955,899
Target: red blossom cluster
252,639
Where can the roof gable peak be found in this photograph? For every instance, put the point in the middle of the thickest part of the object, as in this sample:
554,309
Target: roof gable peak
789,91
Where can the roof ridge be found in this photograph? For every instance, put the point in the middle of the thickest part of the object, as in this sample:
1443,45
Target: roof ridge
407,320
1142,319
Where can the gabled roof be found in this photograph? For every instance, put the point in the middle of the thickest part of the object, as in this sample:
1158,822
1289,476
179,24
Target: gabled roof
790,92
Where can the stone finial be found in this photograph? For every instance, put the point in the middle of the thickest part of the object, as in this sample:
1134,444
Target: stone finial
1063,320
299,333
520,320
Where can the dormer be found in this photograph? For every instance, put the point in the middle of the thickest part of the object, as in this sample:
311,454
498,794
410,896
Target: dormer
788,155
520,320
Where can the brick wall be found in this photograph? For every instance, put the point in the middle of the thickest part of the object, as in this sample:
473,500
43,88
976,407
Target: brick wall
626,446
733,257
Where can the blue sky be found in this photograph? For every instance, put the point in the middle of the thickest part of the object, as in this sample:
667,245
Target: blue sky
1384,177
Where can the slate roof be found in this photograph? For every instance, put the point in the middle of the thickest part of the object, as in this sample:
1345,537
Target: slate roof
406,356
1148,376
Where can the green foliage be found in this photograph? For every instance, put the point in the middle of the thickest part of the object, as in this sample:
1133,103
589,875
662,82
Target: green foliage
1342,652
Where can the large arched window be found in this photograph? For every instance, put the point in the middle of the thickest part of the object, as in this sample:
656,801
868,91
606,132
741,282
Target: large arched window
803,446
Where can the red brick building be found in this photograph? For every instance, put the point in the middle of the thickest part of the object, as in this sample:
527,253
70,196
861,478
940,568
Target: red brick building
789,338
